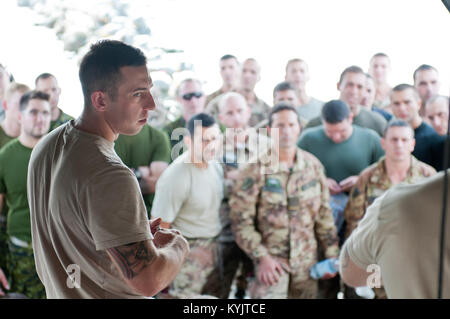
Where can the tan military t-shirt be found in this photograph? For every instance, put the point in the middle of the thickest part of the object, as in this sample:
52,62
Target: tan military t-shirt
189,197
83,200
400,233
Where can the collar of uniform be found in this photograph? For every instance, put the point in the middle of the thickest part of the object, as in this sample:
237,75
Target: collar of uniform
381,165
273,168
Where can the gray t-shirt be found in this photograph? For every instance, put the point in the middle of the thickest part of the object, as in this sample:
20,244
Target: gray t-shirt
311,109
83,200
189,197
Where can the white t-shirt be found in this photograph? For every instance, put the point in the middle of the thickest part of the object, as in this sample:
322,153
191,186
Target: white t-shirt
83,200
189,198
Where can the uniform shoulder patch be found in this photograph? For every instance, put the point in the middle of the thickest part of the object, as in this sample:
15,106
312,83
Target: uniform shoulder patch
247,183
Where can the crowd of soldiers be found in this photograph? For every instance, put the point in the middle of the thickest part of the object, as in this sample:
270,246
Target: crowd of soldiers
262,193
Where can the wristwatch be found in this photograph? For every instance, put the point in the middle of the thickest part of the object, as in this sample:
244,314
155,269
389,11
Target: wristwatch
138,174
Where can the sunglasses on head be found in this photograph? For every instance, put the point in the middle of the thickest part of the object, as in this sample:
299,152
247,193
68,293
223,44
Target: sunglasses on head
189,96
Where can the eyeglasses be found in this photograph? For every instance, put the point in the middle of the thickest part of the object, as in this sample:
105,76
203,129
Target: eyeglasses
189,96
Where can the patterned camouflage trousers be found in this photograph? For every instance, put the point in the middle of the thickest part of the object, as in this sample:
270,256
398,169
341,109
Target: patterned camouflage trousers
4,250
290,286
232,261
194,273
23,276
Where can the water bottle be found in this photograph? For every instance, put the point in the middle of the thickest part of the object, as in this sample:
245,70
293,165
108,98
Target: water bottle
330,265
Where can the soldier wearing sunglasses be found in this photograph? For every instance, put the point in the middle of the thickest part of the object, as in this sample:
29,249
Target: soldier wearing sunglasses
192,100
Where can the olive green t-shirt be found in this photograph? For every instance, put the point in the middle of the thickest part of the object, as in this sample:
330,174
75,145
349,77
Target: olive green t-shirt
149,145
344,159
14,158
63,118
4,138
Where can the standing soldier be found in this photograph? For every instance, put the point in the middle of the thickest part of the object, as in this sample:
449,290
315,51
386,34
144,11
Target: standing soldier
276,216
47,83
396,167
14,158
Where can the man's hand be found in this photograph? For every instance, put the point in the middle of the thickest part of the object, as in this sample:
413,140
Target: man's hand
155,225
270,270
163,237
333,186
3,282
348,183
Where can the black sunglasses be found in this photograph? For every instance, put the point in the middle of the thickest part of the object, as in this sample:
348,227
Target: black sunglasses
189,96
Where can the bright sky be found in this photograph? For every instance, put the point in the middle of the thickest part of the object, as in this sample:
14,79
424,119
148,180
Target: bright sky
328,34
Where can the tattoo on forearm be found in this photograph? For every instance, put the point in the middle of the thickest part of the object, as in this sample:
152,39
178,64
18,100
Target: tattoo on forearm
132,258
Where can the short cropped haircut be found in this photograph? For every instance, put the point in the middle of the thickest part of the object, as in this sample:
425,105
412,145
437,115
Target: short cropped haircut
43,76
335,111
350,69
282,107
403,87
205,121
32,95
293,61
423,67
229,95
435,98
16,87
284,86
397,123
177,92
100,67
228,57
380,55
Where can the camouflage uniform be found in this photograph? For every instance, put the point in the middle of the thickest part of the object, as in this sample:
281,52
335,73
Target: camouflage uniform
232,260
260,110
23,277
213,95
4,250
63,118
196,269
372,183
280,213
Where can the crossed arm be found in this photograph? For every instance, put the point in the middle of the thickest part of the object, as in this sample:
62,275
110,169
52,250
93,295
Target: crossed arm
149,266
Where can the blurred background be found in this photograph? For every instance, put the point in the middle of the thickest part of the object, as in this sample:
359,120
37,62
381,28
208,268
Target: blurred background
184,38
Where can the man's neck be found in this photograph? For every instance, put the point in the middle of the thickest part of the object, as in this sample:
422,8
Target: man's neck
302,96
287,155
55,113
416,122
11,128
27,140
355,110
199,164
227,87
397,171
249,95
90,122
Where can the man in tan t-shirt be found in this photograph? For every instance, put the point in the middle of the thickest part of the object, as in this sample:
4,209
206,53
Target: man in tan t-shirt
90,233
397,242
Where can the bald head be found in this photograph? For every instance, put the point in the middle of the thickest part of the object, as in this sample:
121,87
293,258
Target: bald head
437,113
250,74
234,111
